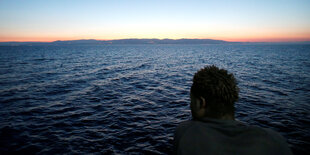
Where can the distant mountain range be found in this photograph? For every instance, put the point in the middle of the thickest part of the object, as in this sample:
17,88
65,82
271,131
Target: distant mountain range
136,41
120,41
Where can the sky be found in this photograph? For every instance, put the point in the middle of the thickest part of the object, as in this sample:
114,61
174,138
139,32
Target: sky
230,20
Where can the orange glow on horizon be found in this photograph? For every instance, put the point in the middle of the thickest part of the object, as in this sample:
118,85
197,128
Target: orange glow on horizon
266,39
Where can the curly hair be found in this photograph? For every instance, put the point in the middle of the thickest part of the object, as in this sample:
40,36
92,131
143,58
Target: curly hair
218,87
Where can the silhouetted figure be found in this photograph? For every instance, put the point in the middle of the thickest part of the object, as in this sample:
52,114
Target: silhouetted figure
214,129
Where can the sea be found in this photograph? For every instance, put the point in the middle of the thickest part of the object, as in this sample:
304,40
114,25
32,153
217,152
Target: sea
128,99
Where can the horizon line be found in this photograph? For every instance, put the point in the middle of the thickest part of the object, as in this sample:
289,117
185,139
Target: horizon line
248,41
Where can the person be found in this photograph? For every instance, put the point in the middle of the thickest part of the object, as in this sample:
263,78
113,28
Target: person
213,129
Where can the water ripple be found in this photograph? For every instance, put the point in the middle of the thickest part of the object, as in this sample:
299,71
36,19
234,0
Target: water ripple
129,98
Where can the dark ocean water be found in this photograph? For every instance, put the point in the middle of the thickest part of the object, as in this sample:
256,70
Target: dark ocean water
129,98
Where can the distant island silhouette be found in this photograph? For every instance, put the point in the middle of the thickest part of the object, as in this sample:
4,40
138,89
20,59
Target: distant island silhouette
133,41
118,41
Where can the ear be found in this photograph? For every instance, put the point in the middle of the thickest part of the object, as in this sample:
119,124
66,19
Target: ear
203,102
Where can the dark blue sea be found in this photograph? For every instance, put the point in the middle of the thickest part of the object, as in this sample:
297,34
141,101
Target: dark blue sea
124,99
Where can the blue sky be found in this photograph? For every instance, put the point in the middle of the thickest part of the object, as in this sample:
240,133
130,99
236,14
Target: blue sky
235,20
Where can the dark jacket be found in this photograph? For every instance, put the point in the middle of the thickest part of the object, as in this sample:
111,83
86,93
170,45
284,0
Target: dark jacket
213,136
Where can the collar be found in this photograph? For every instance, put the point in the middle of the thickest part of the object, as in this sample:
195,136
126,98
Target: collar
219,121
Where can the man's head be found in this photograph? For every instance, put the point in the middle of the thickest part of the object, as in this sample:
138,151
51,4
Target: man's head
213,93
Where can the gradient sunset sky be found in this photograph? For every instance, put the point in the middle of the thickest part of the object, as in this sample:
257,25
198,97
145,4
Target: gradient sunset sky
230,20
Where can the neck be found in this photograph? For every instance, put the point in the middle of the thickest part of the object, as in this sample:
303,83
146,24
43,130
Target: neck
223,117
227,117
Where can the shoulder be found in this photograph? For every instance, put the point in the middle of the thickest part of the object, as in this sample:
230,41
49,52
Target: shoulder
182,127
266,133
275,136
187,131
273,139
180,132
185,124
272,135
